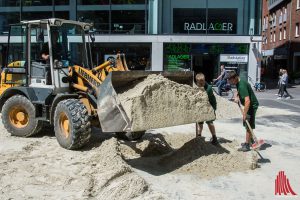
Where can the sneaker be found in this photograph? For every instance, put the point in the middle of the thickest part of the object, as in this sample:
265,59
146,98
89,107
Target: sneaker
243,144
214,142
287,97
276,94
279,97
251,142
245,148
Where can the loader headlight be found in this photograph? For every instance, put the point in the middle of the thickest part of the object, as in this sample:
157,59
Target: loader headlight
87,27
57,23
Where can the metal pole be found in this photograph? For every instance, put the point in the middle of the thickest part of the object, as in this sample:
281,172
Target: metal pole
109,19
146,18
257,64
21,10
53,8
206,18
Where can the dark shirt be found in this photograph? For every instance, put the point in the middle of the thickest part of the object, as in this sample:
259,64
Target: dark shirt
211,96
244,90
56,50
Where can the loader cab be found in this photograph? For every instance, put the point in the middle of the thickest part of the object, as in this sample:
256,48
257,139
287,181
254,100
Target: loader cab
41,51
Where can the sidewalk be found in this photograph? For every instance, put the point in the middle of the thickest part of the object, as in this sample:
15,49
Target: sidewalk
269,99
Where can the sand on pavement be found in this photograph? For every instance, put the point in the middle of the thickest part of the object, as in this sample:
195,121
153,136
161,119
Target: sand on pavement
168,163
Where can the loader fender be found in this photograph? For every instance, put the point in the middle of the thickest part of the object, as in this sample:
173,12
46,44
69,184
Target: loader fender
35,95
58,98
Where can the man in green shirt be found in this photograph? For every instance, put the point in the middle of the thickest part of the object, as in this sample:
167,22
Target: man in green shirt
200,80
248,99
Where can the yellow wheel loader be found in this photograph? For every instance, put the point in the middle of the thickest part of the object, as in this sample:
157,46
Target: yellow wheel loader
50,78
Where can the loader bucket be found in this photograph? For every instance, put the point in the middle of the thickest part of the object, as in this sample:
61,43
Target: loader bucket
111,110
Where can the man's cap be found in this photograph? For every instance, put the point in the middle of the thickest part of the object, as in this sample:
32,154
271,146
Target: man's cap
231,74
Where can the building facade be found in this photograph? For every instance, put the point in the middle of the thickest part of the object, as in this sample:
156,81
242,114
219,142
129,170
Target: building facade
157,35
280,29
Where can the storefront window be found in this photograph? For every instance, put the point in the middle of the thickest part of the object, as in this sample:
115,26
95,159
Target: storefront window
44,3
128,22
138,56
6,19
93,2
36,15
9,3
193,21
213,17
222,21
189,20
206,58
17,51
128,1
100,19
177,57
61,2
62,14
36,3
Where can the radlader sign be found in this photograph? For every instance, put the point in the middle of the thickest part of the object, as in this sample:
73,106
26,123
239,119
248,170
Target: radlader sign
218,26
198,21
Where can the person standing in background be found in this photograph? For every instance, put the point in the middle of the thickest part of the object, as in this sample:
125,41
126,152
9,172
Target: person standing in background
279,82
284,83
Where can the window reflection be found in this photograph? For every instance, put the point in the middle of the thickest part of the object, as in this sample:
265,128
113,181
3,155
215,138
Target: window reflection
138,56
99,18
62,14
128,22
115,19
6,19
43,2
61,2
36,3
36,15
92,2
9,3
128,1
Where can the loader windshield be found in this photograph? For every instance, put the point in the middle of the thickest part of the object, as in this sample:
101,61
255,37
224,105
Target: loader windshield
68,45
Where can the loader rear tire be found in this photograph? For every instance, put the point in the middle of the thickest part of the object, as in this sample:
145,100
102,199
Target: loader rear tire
71,124
18,117
130,136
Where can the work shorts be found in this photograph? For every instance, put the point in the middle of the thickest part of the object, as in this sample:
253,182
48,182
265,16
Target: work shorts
251,118
207,122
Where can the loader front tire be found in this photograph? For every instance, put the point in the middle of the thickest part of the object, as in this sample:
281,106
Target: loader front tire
71,124
18,117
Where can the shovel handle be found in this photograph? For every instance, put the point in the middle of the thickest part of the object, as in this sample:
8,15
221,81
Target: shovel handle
248,124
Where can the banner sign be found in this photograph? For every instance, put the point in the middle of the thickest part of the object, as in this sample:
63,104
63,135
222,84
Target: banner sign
234,58
198,21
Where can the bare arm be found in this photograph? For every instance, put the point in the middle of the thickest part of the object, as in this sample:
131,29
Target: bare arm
45,56
219,77
246,107
236,97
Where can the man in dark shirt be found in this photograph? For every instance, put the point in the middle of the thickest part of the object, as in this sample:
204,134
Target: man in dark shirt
221,81
246,96
56,48
200,80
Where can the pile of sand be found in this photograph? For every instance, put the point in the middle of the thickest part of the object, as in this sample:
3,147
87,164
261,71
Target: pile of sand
157,102
185,154
37,168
